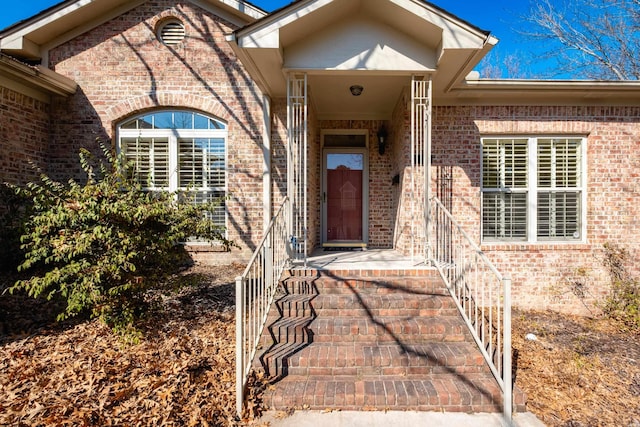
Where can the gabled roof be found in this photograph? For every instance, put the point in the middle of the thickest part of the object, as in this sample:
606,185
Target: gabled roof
377,44
32,38
389,36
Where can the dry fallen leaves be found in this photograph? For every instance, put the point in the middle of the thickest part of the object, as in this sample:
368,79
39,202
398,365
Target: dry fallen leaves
79,373
580,371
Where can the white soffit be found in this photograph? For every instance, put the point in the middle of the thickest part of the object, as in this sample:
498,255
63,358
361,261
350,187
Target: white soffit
360,44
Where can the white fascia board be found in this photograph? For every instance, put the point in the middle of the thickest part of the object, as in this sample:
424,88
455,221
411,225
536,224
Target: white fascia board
544,92
245,8
456,33
571,85
28,28
266,34
20,44
37,77
238,17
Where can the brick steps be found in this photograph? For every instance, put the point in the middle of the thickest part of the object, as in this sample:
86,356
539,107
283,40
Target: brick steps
372,342
387,329
439,392
387,359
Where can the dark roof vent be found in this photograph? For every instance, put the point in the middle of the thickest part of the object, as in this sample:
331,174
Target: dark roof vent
171,31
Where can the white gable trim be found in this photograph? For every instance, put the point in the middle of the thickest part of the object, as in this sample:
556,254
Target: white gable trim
33,38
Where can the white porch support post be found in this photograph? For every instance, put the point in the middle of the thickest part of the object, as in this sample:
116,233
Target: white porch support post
507,375
420,160
266,164
427,173
297,162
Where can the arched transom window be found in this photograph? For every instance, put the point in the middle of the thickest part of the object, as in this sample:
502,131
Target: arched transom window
178,150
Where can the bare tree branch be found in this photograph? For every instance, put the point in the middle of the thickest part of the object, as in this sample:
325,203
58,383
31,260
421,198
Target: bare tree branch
595,39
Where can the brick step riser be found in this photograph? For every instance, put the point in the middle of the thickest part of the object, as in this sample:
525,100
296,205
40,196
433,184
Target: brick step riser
355,313
374,371
381,301
414,306
290,334
368,289
398,325
349,285
369,275
386,339
441,393
295,334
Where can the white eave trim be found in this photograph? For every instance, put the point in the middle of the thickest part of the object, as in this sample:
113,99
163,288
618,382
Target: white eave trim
38,77
248,62
549,92
245,8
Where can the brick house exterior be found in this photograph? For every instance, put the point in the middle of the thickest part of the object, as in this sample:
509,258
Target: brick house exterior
112,67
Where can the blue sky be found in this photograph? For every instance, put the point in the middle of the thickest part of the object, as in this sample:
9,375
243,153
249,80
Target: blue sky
501,17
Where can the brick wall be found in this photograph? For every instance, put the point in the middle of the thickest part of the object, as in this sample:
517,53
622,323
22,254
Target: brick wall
24,136
122,69
565,277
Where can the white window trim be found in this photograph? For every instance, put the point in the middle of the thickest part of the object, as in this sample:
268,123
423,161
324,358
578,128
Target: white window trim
172,136
532,191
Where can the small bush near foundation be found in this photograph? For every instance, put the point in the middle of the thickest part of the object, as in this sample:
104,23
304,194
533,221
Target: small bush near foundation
623,303
99,246
14,209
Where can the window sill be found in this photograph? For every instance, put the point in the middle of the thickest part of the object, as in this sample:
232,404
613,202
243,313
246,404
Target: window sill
534,246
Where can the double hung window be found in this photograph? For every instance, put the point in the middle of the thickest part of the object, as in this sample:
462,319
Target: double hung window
179,151
533,189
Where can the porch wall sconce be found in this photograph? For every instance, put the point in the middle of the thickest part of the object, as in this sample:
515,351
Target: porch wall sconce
382,139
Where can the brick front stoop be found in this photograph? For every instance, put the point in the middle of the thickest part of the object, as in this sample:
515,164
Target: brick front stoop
373,340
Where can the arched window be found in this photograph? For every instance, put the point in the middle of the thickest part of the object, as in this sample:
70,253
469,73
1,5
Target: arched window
176,150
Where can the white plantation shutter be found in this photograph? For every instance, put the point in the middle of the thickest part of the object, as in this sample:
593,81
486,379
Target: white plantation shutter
504,186
532,189
150,160
559,188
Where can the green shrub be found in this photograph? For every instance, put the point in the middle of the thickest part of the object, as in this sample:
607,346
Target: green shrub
623,303
100,245
14,210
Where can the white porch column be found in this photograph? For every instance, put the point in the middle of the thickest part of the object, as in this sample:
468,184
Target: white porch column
420,162
266,163
297,164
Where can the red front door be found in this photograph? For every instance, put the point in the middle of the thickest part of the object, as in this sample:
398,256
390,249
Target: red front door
344,197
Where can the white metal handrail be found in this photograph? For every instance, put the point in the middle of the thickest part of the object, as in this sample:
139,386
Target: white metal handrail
482,294
255,292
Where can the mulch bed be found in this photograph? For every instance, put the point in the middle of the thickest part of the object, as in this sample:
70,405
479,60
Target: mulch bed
578,372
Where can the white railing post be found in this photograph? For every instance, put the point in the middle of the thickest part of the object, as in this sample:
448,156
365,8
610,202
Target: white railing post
482,295
506,353
255,291
239,345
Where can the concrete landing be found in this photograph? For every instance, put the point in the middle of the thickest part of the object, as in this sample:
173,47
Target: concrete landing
395,418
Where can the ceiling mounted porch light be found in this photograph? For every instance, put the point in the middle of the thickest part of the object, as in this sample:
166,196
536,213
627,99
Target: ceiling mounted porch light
356,90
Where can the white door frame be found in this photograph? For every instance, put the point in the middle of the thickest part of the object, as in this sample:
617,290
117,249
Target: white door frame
365,194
